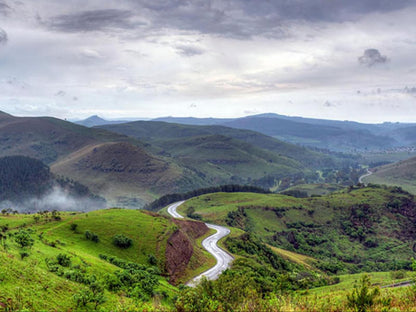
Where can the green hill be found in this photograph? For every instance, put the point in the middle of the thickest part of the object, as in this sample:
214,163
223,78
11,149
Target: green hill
47,138
59,261
160,133
367,229
402,173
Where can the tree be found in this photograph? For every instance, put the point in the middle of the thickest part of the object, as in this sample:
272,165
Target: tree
23,239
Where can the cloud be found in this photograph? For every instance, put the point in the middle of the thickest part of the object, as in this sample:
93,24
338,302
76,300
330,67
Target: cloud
3,36
94,20
329,104
372,57
188,51
4,8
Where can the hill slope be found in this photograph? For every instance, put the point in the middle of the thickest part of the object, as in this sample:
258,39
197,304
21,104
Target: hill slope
121,171
61,263
366,229
402,173
47,138
160,133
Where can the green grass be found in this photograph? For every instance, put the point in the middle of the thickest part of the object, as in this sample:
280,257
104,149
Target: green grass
326,227
31,285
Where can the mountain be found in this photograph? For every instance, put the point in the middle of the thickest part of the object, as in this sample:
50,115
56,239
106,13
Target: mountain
194,121
128,173
327,135
97,121
402,173
335,135
47,138
163,135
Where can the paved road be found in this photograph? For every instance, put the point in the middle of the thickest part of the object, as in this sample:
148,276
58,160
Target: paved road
360,180
210,244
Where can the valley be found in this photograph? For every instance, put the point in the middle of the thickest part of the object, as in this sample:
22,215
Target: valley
287,225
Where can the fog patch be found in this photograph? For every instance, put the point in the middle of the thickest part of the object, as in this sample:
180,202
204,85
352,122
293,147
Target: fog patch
55,199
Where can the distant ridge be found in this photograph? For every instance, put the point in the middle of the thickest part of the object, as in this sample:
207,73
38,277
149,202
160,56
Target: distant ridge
95,120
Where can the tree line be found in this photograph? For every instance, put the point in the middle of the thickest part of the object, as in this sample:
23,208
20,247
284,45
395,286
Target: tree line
229,188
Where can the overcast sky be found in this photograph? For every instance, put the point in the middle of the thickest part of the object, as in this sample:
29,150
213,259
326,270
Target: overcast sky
333,59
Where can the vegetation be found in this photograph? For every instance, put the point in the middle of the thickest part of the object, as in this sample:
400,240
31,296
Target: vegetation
172,198
354,230
401,174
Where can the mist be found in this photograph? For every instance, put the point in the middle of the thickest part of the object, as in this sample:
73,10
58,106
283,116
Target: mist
56,198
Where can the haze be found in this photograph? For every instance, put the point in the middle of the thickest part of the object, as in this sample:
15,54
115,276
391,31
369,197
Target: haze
327,59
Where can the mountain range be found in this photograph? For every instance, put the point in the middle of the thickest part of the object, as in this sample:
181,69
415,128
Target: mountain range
342,136
133,163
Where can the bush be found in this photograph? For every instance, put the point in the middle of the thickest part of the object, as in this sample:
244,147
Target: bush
63,260
74,226
23,254
152,259
92,236
23,239
362,297
122,241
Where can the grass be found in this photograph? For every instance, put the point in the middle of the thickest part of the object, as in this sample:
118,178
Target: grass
32,286
326,227
401,174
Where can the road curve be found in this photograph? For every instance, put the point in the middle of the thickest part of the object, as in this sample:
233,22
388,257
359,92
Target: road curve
360,179
210,244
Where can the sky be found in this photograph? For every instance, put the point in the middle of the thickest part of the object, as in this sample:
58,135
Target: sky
334,59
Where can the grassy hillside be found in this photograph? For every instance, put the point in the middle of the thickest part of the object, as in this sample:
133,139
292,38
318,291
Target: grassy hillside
160,133
357,229
62,262
48,138
402,173
121,172
320,135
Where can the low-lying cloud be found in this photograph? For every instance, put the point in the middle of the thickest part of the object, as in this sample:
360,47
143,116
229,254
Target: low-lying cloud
56,199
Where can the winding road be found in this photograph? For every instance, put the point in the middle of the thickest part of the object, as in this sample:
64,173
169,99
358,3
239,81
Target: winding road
210,244
360,179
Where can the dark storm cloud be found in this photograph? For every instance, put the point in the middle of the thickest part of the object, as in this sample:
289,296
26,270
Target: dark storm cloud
4,8
247,18
95,20
372,57
3,36
188,51
241,19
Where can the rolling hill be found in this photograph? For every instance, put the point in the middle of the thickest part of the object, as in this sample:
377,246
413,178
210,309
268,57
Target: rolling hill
402,173
335,135
125,174
50,261
47,138
162,134
358,229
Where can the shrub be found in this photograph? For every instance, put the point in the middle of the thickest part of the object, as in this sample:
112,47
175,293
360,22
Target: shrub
362,297
23,254
74,226
92,236
122,241
152,259
63,260
23,239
